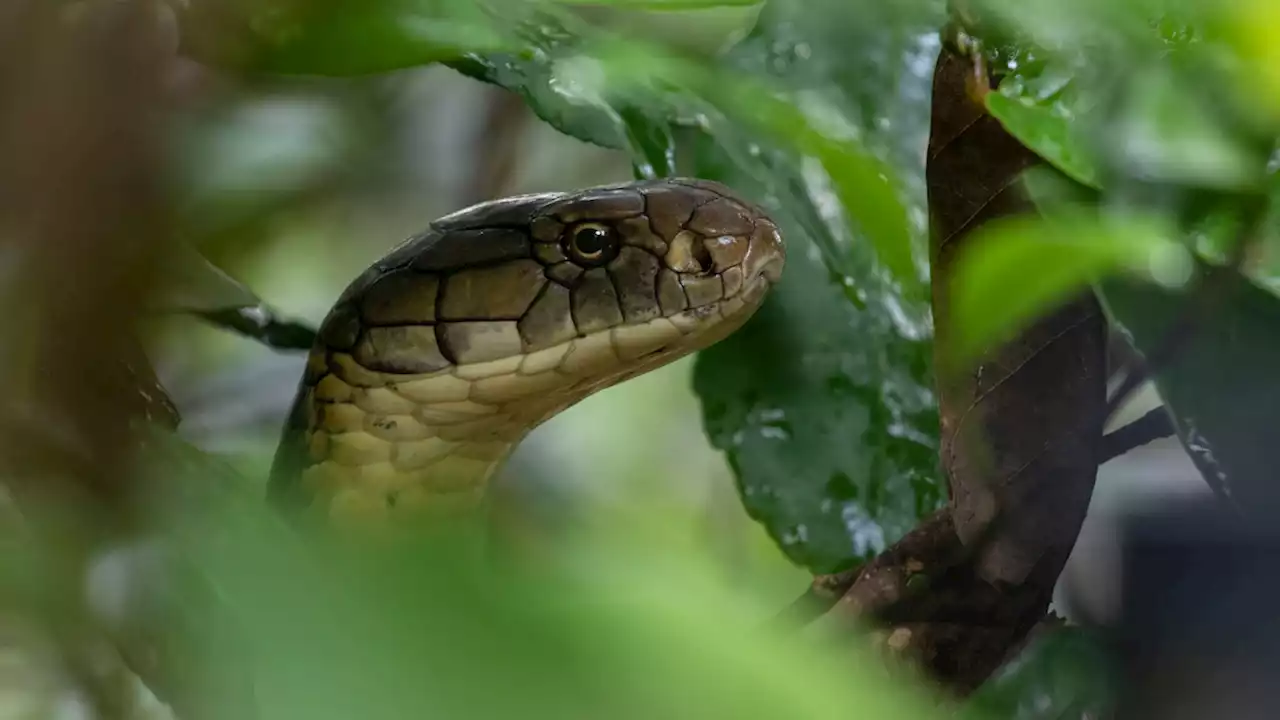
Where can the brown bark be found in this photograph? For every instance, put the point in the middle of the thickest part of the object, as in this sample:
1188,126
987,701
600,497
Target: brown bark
82,223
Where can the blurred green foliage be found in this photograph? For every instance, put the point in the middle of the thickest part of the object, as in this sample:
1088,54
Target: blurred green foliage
1160,118
1064,673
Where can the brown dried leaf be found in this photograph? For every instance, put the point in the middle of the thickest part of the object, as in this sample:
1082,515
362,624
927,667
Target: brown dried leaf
1021,430
1021,433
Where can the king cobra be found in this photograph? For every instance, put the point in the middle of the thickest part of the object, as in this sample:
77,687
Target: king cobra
442,356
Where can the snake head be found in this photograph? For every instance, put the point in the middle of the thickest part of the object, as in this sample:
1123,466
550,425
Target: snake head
447,351
502,314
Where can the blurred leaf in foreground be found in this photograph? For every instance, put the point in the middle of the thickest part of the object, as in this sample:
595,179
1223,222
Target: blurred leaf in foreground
1063,674
1128,94
335,37
1220,385
246,158
1253,30
614,624
192,283
1013,269
699,27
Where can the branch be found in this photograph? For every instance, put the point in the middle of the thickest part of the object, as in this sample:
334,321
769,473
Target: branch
1201,304
262,325
1150,427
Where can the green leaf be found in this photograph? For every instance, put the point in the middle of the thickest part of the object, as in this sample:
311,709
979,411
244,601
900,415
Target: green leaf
191,284
595,86
337,37
1045,127
864,115
1220,384
1012,269
1163,133
613,623
652,143
822,402
665,5
560,84
1065,674
697,27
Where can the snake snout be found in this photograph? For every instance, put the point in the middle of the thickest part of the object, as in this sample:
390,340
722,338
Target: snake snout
767,255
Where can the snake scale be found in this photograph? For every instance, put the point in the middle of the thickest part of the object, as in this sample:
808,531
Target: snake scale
438,359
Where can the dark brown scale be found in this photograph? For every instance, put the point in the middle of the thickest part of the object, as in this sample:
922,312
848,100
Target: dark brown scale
721,217
595,303
668,210
515,212
548,253
702,291
480,341
638,233
546,229
565,273
634,274
491,293
404,350
712,187
341,329
401,297
549,320
466,248
600,205
726,251
670,295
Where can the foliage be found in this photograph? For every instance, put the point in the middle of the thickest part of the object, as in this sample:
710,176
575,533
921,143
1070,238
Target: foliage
620,623
1159,120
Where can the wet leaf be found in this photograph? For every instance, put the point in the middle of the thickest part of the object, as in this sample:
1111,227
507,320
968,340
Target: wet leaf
1220,387
560,86
866,115
621,93
821,402
194,285
1012,270
653,144
1047,127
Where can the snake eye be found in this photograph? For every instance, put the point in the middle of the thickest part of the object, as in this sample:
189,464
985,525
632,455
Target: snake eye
592,243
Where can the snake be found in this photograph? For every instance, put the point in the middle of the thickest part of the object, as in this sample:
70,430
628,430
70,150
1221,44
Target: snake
443,355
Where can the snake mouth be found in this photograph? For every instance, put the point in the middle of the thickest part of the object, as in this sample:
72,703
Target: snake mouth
772,271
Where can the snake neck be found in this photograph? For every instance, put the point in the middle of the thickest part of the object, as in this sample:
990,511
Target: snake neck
371,448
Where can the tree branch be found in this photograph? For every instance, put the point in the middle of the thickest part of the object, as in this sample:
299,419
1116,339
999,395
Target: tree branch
1150,427
262,325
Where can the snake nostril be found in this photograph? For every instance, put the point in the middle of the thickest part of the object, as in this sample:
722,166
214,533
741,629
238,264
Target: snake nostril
702,256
